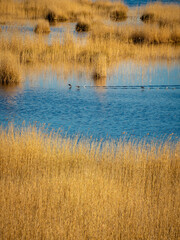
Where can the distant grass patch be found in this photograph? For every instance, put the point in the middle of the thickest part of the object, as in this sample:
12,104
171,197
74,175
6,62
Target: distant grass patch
10,72
118,15
147,17
82,27
162,14
138,37
42,27
54,17
50,16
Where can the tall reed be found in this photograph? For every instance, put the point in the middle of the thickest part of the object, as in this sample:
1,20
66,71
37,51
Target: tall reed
62,188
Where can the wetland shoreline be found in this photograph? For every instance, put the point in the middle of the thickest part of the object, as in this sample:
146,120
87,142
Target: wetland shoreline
56,185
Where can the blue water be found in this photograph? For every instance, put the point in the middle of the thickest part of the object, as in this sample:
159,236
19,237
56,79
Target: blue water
114,108
143,2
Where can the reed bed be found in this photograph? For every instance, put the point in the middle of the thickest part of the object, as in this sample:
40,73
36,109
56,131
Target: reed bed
62,188
115,45
61,10
163,14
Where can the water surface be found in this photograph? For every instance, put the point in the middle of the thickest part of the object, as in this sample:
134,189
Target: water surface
137,101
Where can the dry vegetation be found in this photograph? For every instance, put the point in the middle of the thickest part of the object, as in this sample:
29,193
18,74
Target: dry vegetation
60,10
111,45
55,188
42,27
10,71
111,42
163,14
82,27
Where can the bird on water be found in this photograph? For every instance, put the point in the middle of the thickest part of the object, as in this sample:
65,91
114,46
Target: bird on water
70,86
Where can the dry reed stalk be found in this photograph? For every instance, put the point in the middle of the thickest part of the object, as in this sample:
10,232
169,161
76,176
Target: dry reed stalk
68,189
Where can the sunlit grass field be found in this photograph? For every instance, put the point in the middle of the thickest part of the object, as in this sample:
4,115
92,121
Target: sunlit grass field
62,188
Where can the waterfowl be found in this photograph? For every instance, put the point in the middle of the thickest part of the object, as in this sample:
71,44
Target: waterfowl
70,86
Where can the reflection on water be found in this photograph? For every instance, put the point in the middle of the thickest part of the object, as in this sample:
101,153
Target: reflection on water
130,102
100,82
57,32
11,90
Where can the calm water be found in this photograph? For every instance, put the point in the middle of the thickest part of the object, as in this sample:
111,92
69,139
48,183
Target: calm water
112,108
143,2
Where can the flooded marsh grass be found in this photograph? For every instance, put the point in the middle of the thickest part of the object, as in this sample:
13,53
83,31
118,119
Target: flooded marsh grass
54,187
104,40
10,71
110,47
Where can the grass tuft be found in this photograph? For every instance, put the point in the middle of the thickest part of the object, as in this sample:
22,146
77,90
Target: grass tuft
148,17
82,27
118,15
42,27
51,16
138,37
10,72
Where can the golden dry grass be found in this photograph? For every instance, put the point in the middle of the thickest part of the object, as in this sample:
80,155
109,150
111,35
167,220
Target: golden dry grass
82,27
10,70
55,188
163,14
59,10
110,44
42,27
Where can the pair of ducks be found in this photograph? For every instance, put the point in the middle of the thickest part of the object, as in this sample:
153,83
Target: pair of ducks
70,86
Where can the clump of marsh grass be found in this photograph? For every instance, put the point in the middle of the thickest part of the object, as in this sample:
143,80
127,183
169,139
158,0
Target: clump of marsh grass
82,26
42,27
147,17
115,10
50,16
10,72
118,15
53,17
138,37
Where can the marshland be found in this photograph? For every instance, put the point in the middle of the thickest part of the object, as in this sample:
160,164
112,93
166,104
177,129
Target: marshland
89,119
